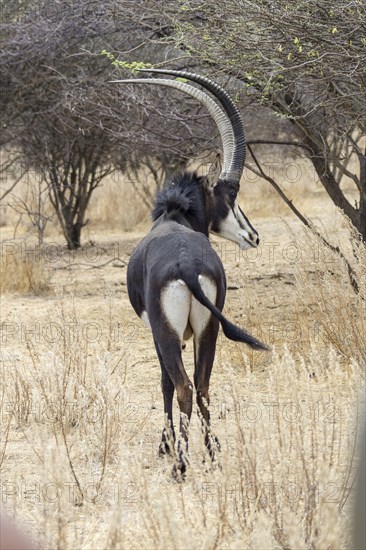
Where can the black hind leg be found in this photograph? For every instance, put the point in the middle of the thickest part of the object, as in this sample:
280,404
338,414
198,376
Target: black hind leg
205,346
174,377
168,436
166,446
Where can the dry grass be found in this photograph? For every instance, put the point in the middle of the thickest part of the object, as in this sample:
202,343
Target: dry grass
22,271
115,204
82,416
337,313
306,299
88,476
82,405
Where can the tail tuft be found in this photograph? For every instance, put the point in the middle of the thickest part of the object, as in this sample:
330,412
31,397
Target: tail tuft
235,333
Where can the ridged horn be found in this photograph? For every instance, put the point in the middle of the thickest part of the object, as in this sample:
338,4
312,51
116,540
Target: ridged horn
218,115
237,162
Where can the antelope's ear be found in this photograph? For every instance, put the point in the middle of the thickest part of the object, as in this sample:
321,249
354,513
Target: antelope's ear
214,171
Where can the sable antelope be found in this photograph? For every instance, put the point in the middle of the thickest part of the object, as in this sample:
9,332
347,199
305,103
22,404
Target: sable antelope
176,281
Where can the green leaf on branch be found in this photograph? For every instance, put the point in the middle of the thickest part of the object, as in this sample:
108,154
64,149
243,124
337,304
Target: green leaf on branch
133,66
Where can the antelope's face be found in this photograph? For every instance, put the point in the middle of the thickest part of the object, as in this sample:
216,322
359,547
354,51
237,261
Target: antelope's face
228,220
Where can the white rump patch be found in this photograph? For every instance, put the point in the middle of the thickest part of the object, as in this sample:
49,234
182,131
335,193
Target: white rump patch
183,311
176,303
200,315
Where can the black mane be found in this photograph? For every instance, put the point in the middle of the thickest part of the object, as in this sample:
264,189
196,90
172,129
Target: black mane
182,200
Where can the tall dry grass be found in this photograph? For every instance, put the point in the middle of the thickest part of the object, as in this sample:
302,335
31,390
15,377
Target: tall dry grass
115,204
23,271
82,418
306,299
82,407
87,478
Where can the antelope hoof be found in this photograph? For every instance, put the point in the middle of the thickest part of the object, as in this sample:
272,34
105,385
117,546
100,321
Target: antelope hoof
213,447
211,465
166,447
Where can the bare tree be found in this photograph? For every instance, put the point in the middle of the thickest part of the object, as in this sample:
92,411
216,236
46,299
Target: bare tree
63,117
43,68
306,60
33,206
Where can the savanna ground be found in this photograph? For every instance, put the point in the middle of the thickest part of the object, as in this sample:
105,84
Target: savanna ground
82,409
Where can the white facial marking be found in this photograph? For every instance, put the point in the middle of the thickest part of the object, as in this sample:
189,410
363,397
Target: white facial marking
240,233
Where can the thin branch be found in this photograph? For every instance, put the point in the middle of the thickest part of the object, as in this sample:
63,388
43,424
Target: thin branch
278,142
305,221
99,266
13,186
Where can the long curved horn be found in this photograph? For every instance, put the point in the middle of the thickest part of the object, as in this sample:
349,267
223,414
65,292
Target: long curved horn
218,115
237,161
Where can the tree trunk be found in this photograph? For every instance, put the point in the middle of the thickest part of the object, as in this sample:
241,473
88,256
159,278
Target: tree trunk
73,234
362,208
362,218
326,177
